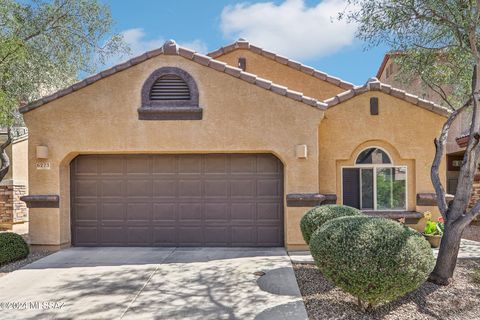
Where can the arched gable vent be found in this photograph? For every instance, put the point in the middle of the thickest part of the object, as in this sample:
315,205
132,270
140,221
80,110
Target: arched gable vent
170,93
170,87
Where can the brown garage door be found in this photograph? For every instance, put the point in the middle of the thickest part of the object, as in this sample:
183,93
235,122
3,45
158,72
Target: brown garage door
177,200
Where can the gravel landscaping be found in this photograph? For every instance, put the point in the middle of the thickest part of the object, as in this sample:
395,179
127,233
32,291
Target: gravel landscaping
15,265
460,300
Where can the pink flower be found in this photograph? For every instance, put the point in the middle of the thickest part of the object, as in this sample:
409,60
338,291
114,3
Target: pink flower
440,219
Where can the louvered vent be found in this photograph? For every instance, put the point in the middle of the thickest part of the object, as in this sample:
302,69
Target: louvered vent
169,87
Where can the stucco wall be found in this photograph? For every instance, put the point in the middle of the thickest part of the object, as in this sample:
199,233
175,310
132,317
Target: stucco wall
20,161
282,74
103,118
405,131
459,127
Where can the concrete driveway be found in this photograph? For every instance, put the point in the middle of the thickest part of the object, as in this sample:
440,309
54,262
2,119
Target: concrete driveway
154,283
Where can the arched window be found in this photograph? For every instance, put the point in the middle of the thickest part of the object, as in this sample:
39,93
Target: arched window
170,93
374,182
373,156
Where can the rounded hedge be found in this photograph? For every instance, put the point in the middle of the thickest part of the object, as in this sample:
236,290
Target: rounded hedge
374,259
316,217
12,247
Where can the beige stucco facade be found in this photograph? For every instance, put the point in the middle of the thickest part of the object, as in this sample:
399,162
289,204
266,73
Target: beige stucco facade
238,117
403,130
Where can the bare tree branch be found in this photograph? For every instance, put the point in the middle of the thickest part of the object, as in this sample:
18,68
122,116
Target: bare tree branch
439,148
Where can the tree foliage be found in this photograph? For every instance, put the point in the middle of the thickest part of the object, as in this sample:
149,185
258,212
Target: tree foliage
437,41
44,45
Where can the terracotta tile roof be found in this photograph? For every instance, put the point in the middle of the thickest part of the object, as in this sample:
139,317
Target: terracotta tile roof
374,84
171,48
244,44
462,141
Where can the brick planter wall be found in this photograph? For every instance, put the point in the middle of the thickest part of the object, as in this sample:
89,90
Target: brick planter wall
12,209
472,232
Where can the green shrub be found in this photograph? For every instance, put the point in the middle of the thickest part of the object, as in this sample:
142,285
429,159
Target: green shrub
374,259
12,247
316,217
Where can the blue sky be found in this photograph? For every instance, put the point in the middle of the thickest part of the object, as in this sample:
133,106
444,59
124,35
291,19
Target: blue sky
299,29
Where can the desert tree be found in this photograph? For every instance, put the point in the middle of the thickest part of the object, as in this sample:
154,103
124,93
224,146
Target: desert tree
438,42
45,46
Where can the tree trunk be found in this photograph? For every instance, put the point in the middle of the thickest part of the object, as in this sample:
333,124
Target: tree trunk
4,159
447,256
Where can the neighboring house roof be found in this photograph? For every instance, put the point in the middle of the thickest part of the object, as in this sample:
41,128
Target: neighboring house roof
386,57
244,44
374,84
171,48
462,141
385,60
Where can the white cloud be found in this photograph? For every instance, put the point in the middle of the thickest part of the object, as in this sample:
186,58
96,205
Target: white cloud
136,40
290,28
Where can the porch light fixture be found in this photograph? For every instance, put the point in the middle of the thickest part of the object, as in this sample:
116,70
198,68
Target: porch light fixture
42,152
301,151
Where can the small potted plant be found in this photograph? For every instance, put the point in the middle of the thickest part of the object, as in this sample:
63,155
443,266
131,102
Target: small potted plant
433,230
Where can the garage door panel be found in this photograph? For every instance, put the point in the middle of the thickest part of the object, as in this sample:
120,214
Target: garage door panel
138,165
243,211
165,164
268,212
113,188
139,212
177,200
165,188
242,188
268,165
268,188
139,188
87,235
244,236
190,212
268,235
243,164
190,188
164,212
86,212
87,167
139,235
112,165
166,236
113,212
113,235
216,189
86,188
215,236
189,164
216,165
190,235
217,212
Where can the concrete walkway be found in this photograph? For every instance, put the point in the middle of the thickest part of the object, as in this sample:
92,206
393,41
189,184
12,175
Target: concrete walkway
468,250
154,283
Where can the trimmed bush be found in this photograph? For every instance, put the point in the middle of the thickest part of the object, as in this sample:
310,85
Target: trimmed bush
316,217
374,259
12,247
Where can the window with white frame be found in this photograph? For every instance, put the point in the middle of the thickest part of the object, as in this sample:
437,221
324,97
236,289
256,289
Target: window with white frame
374,182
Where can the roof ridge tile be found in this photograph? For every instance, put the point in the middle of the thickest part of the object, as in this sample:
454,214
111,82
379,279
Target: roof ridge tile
244,44
171,48
373,84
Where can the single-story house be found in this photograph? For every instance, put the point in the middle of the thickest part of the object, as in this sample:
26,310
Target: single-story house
176,148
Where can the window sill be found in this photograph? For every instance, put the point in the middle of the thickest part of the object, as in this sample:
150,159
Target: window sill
309,199
170,113
411,217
